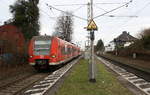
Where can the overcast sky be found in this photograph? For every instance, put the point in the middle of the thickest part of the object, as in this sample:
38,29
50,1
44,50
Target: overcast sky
108,27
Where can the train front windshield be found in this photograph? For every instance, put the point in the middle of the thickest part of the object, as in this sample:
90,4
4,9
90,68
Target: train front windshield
42,47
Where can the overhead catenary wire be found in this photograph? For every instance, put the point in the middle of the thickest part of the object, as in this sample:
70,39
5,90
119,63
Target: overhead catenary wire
86,4
52,12
136,13
139,11
100,8
122,16
53,18
48,18
77,9
113,10
106,12
69,5
51,7
110,3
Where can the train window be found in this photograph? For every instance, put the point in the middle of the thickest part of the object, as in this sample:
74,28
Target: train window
71,50
66,49
68,52
42,47
63,50
42,42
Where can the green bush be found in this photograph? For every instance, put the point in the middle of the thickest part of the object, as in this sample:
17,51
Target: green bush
146,42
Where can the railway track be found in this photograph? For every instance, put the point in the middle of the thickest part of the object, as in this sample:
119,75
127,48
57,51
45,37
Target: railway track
10,80
136,77
35,84
43,86
137,71
16,86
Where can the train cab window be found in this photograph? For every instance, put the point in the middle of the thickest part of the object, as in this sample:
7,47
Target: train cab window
41,42
42,47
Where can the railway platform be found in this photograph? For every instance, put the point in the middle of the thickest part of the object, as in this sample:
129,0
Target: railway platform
107,82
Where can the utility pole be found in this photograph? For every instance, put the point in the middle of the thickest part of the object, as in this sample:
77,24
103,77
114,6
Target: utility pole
90,50
91,9
89,18
91,27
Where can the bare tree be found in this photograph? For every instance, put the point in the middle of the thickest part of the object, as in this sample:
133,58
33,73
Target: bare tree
64,26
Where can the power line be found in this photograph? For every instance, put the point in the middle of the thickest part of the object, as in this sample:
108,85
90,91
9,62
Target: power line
136,13
106,12
127,21
121,16
77,9
53,18
101,8
70,5
52,12
51,7
86,4
113,9
110,3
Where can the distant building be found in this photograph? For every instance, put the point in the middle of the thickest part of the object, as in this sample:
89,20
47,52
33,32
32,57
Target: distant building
110,46
123,40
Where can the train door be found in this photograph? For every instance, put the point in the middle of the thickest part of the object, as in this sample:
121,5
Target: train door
66,51
59,51
62,52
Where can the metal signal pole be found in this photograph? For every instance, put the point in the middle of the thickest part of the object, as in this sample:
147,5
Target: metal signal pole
91,9
92,64
89,17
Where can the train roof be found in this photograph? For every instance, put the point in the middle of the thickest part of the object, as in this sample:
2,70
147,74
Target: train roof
41,37
46,37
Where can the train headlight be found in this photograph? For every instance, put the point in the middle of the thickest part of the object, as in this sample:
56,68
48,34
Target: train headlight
53,56
31,56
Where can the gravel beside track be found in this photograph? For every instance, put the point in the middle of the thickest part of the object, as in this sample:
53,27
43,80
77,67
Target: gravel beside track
20,84
133,69
130,74
45,85
31,83
11,80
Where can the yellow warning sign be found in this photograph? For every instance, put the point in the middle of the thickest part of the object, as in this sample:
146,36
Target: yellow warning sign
92,26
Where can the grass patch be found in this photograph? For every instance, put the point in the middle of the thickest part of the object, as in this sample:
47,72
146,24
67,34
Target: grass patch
77,82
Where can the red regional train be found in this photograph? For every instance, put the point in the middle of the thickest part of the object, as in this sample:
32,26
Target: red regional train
46,51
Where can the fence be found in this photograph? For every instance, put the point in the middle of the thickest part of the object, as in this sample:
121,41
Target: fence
10,53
